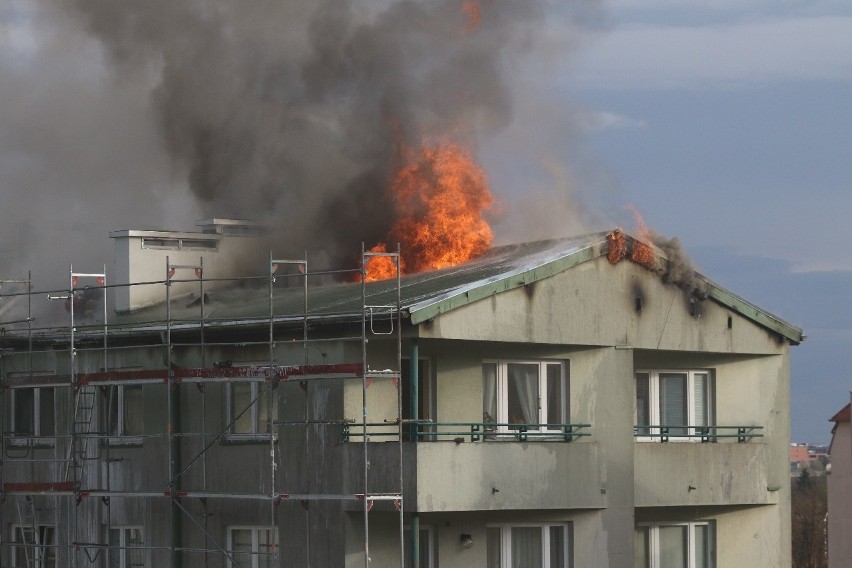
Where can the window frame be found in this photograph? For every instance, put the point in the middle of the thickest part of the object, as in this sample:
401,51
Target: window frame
502,394
118,434
122,549
41,550
258,428
37,413
651,432
255,543
505,544
652,559
426,394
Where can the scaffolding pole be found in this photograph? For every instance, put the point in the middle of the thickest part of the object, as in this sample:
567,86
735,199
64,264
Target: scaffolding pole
87,449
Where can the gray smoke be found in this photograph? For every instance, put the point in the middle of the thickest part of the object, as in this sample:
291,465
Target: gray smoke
679,269
295,112
126,114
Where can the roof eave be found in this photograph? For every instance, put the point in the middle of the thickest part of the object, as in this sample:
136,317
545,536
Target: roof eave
793,334
465,295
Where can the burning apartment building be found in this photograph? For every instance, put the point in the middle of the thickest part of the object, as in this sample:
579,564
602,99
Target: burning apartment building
581,401
556,403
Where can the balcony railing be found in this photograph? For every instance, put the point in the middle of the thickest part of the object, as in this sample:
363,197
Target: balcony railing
664,432
427,430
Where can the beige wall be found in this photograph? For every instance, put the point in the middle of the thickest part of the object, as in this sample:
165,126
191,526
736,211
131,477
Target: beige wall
840,499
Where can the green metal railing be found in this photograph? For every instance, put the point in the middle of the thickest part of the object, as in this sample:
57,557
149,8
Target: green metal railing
427,430
705,433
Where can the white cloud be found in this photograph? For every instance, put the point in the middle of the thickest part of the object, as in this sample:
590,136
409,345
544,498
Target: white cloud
722,56
599,120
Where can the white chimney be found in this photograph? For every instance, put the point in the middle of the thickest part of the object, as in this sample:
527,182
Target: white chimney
140,256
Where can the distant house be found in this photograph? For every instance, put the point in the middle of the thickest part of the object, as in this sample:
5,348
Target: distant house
840,492
551,404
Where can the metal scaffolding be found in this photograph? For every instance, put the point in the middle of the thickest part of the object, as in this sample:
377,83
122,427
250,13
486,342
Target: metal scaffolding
59,477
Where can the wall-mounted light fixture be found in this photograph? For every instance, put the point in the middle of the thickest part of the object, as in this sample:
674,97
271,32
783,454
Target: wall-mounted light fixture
465,540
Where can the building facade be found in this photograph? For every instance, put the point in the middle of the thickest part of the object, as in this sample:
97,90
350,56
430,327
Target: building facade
840,492
552,404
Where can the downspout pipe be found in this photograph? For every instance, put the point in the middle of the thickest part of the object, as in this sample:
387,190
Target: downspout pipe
414,388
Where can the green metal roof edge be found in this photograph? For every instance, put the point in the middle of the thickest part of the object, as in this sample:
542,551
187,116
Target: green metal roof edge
484,289
761,317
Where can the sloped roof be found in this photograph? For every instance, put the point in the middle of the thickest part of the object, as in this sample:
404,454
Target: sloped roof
426,295
842,416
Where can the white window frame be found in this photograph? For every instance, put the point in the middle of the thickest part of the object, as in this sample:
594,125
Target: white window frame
542,418
653,432
40,549
255,543
36,411
506,542
258,424
119,434
121,547
653,560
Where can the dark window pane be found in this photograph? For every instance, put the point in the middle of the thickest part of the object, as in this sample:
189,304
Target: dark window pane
556,404
494,548
673,410
46,416
24,404
643,403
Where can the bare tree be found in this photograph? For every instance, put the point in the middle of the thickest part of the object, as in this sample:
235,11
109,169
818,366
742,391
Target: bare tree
809,521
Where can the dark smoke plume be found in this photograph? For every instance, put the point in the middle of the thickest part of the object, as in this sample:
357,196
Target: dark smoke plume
151,114
679,269
294,112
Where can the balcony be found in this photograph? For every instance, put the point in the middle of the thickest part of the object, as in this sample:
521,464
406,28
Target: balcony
700,474
429,431
669,432
469,466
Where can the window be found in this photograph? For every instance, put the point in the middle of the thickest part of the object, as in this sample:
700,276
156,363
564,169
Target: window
248,407
425,395
674,403
32,412
427,549
529,546
675,545
34,547
525,392
252,547
126,548
173,243
124,410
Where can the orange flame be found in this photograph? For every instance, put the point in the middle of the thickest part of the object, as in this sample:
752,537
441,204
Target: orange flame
382,267
473,11
642,252
441,198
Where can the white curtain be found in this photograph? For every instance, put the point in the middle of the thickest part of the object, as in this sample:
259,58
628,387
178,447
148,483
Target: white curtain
489,392
673,547
523,392
526,547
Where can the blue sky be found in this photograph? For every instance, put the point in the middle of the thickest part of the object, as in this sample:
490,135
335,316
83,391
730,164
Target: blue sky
728,124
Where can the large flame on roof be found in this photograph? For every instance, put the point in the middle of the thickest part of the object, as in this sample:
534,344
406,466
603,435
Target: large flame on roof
441,197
